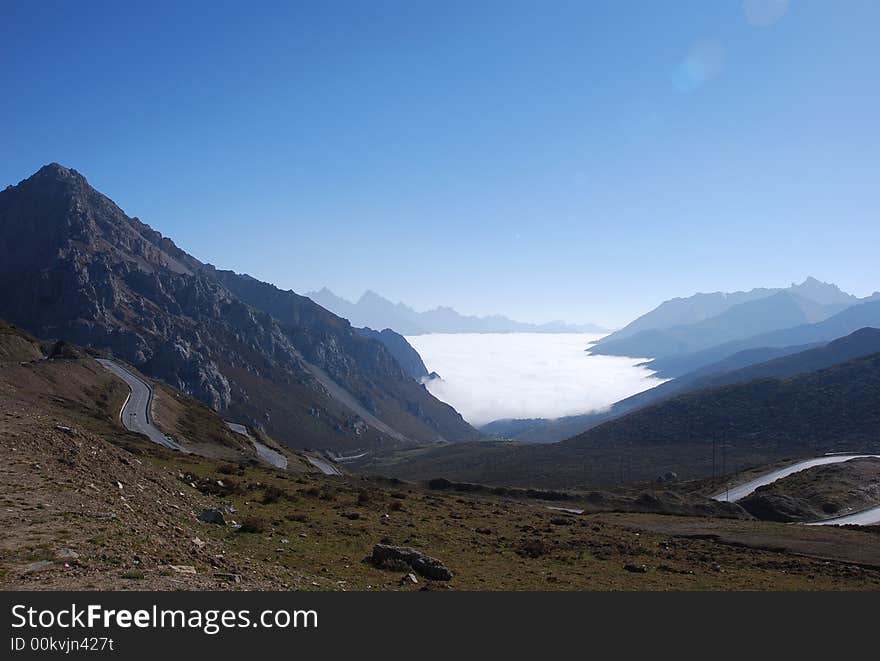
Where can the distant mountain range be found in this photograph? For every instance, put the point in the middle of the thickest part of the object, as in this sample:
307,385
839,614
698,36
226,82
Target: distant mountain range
865,313
73,266
689,325
373,311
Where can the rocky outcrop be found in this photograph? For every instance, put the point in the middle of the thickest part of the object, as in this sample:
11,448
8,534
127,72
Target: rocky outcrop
386,556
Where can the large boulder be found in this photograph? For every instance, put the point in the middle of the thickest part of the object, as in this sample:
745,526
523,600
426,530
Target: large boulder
385,555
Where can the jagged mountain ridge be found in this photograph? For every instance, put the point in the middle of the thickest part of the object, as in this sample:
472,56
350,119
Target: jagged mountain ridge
702,306
74,266
374,311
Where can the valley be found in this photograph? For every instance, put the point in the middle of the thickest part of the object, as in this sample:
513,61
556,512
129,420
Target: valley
91,505
165,424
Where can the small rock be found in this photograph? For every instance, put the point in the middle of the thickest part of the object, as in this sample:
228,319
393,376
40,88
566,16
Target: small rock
182,569
231,578
66,554
40,565
198,543
409,579
715,566
213,516
636,569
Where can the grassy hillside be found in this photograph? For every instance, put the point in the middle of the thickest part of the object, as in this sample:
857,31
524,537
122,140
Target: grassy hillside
17,345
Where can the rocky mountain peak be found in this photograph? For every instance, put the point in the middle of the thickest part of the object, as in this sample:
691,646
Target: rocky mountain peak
76,267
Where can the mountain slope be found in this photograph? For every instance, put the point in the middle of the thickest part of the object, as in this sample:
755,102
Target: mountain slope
74,266
813,411
374,311
403,352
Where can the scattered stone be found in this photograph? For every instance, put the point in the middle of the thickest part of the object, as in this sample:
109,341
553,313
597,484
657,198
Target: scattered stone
533,548
636,569
715,566
198,543
230,578
385,555
409,579
213,516
182,569
66,554
40,565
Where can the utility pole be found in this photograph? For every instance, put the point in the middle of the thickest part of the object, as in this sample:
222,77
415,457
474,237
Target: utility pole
713,460
724,468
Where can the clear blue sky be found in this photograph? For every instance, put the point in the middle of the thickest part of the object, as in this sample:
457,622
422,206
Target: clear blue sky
579,160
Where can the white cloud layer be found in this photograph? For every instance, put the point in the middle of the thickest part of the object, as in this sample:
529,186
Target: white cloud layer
489,377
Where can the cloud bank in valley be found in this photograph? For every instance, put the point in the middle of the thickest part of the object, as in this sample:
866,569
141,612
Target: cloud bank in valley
489,377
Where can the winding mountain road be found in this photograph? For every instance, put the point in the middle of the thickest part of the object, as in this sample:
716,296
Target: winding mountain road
135,413
869,517
264,452
742,490
323,465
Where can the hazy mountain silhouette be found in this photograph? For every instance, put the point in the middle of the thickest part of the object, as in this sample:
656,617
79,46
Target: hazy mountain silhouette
374,311
783,309
838,325
74,266
675,325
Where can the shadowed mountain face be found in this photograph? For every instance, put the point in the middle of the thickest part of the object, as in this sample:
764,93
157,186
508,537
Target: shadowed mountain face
74,266
407,357
374,311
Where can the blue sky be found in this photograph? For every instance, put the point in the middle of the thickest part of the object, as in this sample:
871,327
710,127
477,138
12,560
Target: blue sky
576,160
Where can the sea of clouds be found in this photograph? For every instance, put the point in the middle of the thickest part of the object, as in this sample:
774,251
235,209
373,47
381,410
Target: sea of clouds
492,376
